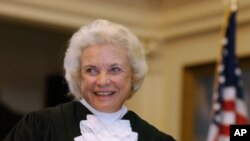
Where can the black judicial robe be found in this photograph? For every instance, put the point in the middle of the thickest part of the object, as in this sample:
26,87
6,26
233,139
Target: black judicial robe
61,123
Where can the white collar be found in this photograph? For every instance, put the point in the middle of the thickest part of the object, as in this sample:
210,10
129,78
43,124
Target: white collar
105,126
105,117
93,129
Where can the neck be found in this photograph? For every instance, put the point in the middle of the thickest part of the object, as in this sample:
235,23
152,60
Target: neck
105,117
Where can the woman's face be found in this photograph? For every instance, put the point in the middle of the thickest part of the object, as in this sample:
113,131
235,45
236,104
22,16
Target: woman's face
106,77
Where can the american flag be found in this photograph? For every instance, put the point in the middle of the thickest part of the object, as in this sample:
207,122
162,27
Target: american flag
228,105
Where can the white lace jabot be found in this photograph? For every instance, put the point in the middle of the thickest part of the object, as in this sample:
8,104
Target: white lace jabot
93,129
99,127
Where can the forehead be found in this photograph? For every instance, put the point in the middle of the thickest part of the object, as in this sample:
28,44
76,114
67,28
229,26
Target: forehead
105,54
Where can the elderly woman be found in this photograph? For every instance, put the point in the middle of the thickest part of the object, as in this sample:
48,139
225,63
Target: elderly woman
104,66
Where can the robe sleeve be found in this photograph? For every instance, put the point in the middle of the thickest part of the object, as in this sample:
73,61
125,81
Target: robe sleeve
32,127
146,131
164,137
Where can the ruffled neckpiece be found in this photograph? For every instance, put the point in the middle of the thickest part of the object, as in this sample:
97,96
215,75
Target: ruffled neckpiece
94,129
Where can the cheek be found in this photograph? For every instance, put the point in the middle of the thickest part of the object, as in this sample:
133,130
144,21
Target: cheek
86,83
124,83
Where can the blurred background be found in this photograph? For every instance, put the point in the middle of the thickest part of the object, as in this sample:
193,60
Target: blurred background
182,40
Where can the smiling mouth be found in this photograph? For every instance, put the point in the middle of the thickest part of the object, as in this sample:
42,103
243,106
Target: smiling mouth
104,93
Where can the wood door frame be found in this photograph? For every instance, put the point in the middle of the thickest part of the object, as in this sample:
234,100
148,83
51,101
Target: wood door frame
190,75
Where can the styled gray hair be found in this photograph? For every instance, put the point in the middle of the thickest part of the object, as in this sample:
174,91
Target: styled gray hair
103,32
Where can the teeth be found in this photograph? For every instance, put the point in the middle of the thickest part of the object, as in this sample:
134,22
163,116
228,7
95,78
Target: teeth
103,93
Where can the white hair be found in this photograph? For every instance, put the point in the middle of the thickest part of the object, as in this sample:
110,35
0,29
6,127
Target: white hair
103,32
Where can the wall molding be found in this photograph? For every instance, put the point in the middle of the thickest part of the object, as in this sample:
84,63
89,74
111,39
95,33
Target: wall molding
154,24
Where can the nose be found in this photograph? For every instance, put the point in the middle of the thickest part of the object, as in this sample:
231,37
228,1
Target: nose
103,79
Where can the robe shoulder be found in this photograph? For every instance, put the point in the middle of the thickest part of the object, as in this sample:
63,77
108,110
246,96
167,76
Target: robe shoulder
34,126
145,130
51,124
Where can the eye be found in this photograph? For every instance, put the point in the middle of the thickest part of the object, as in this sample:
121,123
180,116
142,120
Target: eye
115,70
91,70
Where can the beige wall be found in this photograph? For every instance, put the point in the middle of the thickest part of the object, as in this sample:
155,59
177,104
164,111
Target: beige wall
160,100
178,36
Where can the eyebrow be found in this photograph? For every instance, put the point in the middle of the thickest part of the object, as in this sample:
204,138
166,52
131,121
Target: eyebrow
115,64
112,65
87,66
